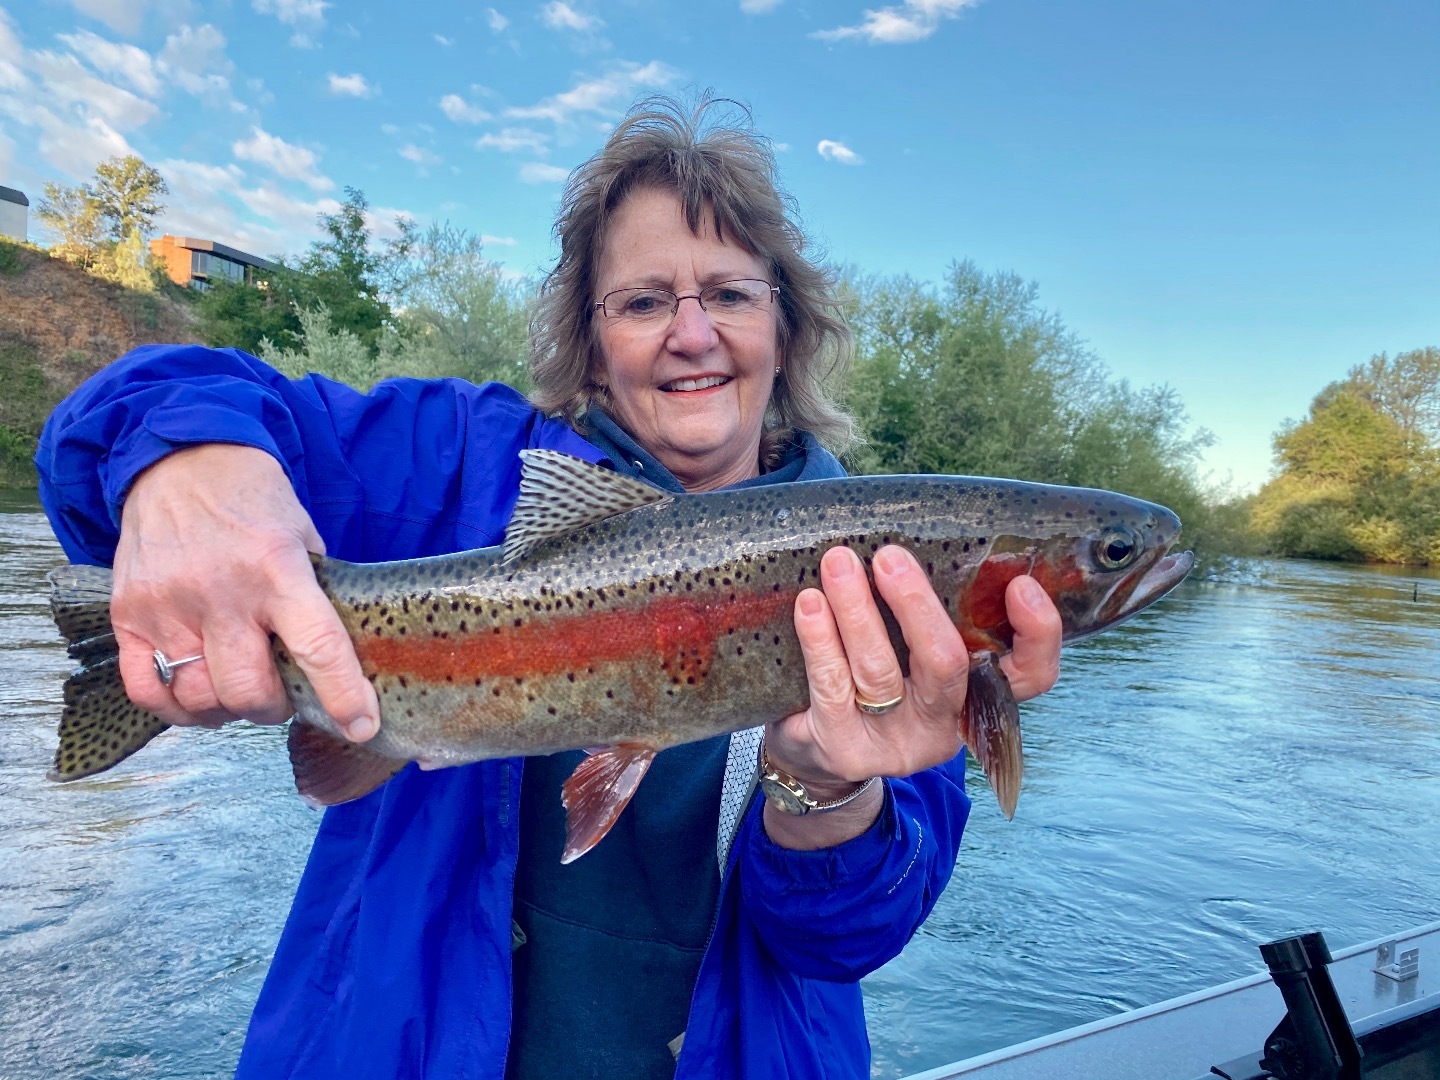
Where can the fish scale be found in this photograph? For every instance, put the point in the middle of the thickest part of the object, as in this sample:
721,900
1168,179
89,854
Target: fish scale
620,617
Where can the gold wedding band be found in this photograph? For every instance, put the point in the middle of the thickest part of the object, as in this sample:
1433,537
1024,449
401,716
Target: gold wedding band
877,708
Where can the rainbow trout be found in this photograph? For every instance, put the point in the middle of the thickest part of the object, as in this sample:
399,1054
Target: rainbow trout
620,617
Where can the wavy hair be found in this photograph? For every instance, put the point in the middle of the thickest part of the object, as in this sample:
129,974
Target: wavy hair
725,170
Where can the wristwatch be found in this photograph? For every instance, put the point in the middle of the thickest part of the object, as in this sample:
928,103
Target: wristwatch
788,794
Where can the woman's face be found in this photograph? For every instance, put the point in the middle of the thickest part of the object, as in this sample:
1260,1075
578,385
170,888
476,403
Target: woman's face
691,390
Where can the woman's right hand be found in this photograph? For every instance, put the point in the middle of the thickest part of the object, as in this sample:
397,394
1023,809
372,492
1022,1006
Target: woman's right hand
214,557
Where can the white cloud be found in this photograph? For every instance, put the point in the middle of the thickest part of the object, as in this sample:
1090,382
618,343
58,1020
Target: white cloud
419,155
194,58
508,140
461,111
78,119
306,16
561,16
598,95
294,12
497,241
282,158
441,39
200,204
67,81
289,214
7,155
75,148
351,86
758,7
831,150
496,21
914,20
537,172
122,16
116,60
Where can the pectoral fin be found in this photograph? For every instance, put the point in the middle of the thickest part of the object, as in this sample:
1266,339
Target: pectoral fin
597,791
991,729
330,770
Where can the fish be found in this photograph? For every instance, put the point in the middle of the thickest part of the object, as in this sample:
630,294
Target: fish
622,619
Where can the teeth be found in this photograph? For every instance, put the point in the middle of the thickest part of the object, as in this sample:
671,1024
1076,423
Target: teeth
696,384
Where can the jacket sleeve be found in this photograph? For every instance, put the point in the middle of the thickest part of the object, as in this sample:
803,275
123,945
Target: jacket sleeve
839,913
408,469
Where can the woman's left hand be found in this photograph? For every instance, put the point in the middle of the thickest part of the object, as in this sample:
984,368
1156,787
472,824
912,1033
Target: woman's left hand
833,744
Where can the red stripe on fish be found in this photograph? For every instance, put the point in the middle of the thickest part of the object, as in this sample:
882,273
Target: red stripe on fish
680,632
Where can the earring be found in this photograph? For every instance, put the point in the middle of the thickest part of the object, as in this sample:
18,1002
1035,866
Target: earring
777,369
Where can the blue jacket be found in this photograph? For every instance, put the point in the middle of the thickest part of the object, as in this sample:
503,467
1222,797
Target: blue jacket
395,960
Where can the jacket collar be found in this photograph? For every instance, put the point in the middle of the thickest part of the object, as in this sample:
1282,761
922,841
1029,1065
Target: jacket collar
804,459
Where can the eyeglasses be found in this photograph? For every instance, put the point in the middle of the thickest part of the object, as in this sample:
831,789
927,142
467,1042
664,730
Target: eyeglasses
726,302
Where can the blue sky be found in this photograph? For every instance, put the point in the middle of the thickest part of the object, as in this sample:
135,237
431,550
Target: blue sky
1239,198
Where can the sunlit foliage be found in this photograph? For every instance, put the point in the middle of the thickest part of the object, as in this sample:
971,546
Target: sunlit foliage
974,377
1359,477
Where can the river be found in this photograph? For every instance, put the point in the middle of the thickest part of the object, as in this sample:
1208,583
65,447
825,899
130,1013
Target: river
1257,755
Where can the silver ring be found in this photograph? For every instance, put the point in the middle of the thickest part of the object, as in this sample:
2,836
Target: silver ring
165,667
877,708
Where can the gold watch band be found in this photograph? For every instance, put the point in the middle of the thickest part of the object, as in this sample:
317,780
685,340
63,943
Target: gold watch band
789,795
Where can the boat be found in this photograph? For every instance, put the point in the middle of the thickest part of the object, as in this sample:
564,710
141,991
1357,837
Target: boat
1369,1012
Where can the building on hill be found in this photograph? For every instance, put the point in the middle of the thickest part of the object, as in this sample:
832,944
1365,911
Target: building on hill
14,214
197,263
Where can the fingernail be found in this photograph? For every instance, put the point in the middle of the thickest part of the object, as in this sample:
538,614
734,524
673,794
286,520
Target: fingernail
891,561
361,728
810,603
842,566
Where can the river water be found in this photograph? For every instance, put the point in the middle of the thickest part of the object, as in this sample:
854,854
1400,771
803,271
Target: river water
1255,756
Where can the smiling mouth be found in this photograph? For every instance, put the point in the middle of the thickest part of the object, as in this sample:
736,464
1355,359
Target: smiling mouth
676,385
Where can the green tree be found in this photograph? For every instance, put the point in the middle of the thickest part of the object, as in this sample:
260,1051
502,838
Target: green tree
1406,389
241,316
74,215
342,273
976,377
459,311
128,193
1357,477
346,275
1345,438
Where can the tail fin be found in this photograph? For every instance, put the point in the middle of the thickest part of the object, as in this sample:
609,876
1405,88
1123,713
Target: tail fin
100,726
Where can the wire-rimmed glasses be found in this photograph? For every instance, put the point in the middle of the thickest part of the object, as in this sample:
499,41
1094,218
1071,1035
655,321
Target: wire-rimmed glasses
725,302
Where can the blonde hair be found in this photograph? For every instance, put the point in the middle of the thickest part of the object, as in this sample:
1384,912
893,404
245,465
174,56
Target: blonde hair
726,171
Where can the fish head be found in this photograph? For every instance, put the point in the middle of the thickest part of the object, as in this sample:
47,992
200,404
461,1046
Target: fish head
1101,557
1119,565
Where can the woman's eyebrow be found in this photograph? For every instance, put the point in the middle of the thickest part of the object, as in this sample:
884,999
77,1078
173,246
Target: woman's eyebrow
661,281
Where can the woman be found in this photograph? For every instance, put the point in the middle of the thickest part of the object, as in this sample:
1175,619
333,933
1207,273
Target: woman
683,338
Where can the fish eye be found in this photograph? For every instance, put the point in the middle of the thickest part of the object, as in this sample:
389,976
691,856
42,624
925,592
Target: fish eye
1117,547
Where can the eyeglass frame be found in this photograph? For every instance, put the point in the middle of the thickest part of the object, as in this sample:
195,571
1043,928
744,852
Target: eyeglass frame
675,308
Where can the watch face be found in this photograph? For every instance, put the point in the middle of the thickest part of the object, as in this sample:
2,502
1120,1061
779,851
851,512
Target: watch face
783,797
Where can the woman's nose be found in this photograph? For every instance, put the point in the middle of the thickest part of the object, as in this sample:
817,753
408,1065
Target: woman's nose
691,329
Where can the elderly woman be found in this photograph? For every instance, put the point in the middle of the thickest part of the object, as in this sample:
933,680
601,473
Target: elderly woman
683,338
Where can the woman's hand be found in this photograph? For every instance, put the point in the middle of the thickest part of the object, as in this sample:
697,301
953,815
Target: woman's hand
214,557
833,744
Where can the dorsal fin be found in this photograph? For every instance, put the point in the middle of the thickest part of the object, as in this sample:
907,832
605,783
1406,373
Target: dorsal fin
560,493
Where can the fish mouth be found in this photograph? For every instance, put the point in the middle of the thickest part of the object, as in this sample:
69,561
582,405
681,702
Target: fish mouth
1162,576
702,382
